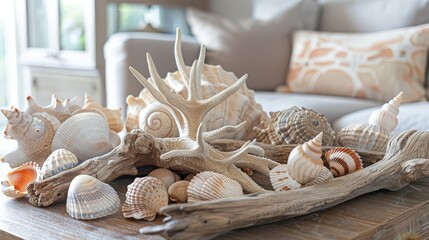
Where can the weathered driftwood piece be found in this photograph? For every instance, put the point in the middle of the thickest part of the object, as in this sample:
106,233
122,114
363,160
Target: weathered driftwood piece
137,149
407,159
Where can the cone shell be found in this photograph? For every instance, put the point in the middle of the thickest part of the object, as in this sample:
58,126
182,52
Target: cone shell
364,137
87,135
281,180
144,198
343,161
157,120
304,162
295,125
209,185
59,160
236,109
17,180
166,176
178,191
88,198
386,117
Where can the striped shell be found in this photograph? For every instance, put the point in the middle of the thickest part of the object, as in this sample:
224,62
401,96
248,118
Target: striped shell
166,176
89,198
17,180
323,176
144,198
304,162
178,191
295,125
281,180
343,161
59,160
209,185
113,116
238,108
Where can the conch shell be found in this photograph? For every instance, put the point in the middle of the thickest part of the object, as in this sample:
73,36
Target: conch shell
374,135
238,108
17,180
295,125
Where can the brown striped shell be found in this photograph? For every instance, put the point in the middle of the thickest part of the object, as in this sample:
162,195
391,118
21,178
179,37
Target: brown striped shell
343,161
295,125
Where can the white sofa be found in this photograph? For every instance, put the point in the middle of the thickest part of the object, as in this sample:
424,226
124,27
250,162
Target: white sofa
129,49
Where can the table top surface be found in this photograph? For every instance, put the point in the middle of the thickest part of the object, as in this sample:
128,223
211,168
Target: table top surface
378,215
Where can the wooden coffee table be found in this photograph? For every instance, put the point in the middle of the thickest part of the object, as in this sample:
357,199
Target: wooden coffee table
377,215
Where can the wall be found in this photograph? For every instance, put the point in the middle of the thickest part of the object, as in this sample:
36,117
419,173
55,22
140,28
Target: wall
234,9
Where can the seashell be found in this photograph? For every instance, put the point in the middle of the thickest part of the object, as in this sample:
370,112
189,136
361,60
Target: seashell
281,180
343,161
295,125
89,198
178,191
189,177
238,108
59,160
113,116
323,176
87,135
144,198
209,185
166,176
17,180
374,135
157,120
304,162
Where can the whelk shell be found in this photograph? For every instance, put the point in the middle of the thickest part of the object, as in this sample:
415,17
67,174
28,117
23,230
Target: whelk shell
209,185
17,180
343,161
59,160
145,196
89,198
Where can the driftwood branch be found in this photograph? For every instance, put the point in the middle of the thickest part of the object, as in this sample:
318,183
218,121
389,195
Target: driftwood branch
407,159
137,149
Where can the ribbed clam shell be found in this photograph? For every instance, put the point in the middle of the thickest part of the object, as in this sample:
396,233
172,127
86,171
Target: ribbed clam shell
209,185
281,180
295,125
17,180
304,162
158,121
87,135
178,191
89,198
145,196
343,161
59,160
166,176
323,176
364,137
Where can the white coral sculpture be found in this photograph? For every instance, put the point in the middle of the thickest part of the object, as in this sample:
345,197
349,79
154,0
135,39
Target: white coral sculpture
191,151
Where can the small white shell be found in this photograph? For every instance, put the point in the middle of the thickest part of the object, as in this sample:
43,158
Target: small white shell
281,180
17,180
145,196
304,162
386,116
166,176
343,161
209,185
89,198
158,121
59,160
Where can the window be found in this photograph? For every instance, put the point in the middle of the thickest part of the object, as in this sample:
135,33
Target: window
3,86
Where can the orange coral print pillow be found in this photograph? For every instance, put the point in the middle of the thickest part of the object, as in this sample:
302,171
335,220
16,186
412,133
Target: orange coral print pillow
371,65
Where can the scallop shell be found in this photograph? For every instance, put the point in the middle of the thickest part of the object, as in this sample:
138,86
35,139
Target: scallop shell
295,125
166,176
17,180
281,180
113,116
209,185
145,196
158,121
304,162
89,198
343,161
238,108
87,135
59,160
178,191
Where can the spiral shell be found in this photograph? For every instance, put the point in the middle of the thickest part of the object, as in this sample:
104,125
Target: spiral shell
281,180
59,160
386,116
17,180
343,161
89,198
304,162
209,185
178,191
295,125
156,120
238,108
144,197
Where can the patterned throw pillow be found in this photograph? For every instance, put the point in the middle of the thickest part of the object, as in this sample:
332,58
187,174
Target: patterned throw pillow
370,65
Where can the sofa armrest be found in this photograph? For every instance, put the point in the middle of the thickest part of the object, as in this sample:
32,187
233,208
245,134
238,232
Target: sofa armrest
129,49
